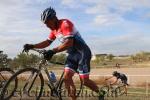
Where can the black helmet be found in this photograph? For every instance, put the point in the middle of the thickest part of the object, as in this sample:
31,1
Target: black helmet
114,73
48,14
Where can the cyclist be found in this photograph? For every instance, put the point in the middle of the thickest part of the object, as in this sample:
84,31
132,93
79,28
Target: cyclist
79,54
116,76
120,76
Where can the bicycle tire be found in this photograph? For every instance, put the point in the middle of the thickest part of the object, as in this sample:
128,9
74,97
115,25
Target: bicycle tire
10,71
120,90
17,74
62,88
106,89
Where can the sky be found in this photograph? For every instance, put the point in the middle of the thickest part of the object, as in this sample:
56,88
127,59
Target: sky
119,27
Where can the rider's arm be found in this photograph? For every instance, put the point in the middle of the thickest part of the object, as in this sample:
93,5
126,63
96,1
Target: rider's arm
114,82
43,44
47,42
68,43
109,78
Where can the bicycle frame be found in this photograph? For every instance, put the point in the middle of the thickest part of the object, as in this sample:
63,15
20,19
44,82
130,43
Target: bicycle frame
43,66
50,83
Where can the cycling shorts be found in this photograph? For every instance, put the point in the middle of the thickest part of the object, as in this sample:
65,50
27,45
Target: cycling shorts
79,63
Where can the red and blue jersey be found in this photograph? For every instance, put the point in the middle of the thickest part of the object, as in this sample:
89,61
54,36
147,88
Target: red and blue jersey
67,30
79,56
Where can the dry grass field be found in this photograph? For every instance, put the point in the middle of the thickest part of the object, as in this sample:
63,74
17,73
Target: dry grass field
136,76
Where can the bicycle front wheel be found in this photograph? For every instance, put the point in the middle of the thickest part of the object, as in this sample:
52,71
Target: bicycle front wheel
30,85
5,74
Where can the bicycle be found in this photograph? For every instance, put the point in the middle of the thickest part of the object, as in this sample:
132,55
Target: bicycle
114,90
35,81
5,74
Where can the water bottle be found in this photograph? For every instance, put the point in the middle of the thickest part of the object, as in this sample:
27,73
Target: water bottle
52,77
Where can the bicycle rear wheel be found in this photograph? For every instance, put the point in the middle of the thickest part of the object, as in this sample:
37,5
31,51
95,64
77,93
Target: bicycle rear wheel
64,92
120,90
5,74
30,85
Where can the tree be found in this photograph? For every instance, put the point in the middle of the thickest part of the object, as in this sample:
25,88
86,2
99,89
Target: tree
110,57
4,60
99,59
141,56
133,58
59,58
23,60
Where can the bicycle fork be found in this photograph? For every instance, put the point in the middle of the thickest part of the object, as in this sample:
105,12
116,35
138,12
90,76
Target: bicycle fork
28,81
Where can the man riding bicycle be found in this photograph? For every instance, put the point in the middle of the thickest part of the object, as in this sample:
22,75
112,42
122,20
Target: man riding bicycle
118,76
79,54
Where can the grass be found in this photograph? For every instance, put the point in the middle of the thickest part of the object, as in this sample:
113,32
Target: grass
133,94
129,97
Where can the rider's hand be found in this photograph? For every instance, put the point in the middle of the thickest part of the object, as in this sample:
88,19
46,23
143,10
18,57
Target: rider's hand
49,54
27,47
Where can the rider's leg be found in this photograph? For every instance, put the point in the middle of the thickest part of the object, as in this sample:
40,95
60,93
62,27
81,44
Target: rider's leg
92,85
69,84
89,83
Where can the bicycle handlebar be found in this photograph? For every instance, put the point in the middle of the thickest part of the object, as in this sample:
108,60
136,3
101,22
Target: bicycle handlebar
42,52
37,50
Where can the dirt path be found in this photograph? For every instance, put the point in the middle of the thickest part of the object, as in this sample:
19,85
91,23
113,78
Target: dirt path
136,76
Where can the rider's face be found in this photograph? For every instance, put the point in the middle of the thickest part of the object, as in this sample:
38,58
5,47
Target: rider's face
51,23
